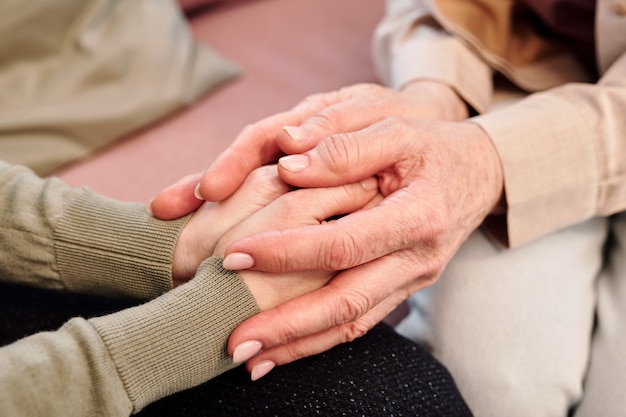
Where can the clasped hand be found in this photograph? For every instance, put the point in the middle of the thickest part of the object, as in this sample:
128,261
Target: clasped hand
438,179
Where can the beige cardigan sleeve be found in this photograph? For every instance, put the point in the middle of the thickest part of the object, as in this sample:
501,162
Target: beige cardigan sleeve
409,44
58,237
564,154
563,150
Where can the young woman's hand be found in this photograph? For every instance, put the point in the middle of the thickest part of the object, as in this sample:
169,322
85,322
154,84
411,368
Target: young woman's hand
211,221
293,211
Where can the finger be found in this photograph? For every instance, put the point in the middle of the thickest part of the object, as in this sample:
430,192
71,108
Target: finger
345,299
349,157
310,207
320,204
260,188
255,145
321,342
342,244
177,200
354,108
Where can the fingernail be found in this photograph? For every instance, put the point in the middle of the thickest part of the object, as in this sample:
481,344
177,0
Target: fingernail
196,192
261,369
237,260
294,163
246,350
369,184
149,207
297,134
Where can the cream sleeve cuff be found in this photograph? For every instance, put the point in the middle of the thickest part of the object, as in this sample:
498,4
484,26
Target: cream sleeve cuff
563,154
410,45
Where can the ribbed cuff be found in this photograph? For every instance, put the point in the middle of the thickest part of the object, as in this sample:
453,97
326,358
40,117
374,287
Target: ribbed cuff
113,248
178,340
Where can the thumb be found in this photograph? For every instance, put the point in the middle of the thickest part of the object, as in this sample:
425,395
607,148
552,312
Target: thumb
177,200
343,158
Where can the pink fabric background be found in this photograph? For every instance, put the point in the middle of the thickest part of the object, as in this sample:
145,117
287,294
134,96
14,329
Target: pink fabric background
287,49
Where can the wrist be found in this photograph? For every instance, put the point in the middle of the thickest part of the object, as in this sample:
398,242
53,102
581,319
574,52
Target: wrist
178,340
493,178
195,243
446,103
271,290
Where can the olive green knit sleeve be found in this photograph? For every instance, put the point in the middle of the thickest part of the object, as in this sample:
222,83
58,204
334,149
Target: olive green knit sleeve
178,340
58,237
115,365
30,208
107,247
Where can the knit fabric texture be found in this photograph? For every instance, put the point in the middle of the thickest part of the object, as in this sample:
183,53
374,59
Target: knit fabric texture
380,374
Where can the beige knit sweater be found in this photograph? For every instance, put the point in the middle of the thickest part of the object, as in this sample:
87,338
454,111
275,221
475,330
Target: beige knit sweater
61,238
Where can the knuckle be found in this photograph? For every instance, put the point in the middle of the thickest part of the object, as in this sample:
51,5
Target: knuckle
398,125
425,266
280,261
360,88
338,154
352,331
327,119
351,192
285,333
318,100
351,305
373,89
341,252
292,352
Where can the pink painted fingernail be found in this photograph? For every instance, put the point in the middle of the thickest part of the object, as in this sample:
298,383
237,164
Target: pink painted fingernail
369,184
237,260
246,350
297,134
294,163
261,369
196,192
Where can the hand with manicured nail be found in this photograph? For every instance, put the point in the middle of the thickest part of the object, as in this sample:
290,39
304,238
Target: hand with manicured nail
346,110
306,208
439,181
211,221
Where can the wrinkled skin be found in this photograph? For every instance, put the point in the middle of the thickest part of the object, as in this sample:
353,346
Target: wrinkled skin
438,179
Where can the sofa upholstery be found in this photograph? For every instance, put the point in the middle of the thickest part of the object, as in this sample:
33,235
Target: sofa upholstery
286,49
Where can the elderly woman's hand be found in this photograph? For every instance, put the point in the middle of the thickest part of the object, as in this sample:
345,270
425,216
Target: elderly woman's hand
302,128
300,208
439,181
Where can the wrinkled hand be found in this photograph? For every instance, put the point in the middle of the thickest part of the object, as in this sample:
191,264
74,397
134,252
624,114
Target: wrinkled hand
210,222
311,208
439,181
346,110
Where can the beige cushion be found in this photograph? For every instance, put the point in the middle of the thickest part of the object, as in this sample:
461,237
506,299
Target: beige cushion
76,75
